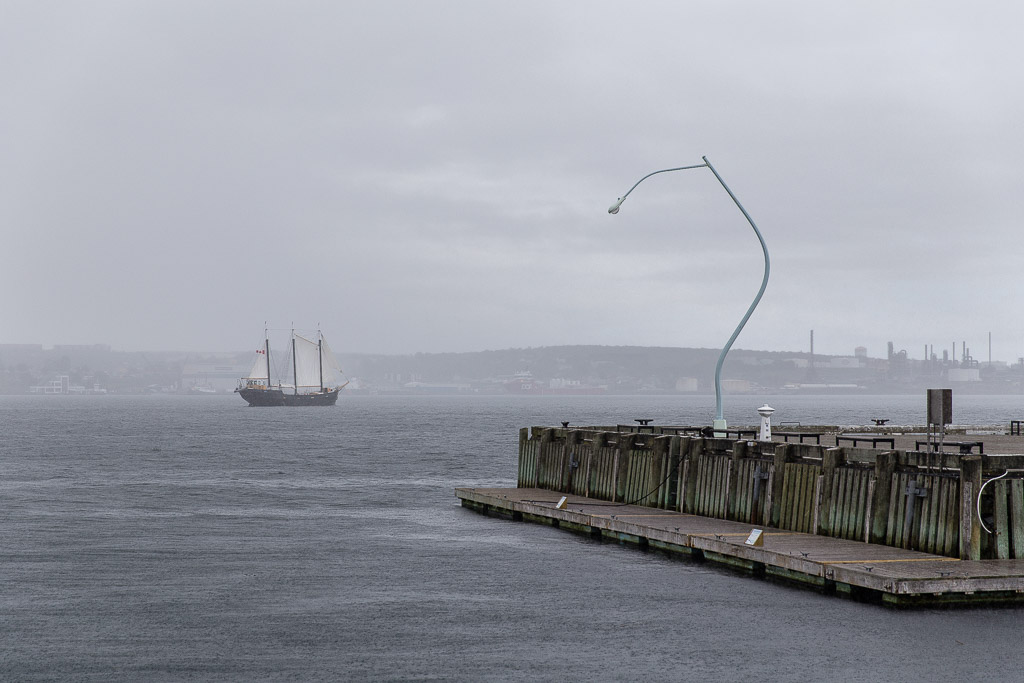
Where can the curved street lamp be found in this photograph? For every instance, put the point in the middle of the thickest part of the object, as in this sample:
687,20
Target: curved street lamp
720,423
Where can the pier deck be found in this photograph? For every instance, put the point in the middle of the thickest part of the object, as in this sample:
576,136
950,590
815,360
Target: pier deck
882,573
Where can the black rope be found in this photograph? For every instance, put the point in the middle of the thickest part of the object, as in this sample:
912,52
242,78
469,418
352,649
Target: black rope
651,492
610,504
632,502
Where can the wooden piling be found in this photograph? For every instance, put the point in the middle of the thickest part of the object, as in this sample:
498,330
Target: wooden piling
660,472
1017,516
527,460
1001,523
970,530
683,450
691,474
570,458
739,452
885,465
782,456
831,460
951,540
600,470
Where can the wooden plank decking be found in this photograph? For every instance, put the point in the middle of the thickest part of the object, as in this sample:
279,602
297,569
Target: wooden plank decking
876,572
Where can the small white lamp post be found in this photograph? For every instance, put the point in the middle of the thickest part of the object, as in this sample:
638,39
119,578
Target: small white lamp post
765,412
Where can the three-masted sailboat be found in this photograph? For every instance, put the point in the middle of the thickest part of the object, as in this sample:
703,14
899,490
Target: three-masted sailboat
313,369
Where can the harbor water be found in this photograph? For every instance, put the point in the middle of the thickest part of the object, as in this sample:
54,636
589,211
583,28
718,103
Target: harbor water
168,538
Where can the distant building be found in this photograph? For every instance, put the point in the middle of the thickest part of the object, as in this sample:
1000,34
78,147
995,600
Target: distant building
79,348
964,375
860,352
436,387
59,385
737,386
211,377
687,384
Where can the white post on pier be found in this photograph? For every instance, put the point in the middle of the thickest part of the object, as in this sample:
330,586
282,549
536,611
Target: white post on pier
765,412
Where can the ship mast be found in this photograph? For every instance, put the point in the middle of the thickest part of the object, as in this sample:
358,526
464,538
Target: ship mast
266,352
295,369
320,355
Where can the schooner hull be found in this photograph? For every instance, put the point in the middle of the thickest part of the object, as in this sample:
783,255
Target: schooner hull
277,397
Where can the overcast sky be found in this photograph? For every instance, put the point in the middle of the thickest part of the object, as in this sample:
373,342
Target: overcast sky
435,176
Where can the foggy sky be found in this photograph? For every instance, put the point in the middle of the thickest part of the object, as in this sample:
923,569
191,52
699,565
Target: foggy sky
435,176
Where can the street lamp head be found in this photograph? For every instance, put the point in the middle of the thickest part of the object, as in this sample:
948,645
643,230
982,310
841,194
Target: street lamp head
614,208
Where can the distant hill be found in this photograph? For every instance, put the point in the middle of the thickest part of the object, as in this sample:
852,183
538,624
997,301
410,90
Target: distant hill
620,368
583,368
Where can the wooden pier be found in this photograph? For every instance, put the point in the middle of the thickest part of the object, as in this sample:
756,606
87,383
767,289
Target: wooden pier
899,527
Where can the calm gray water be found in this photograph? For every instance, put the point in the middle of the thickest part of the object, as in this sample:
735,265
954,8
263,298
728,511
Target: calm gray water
169,538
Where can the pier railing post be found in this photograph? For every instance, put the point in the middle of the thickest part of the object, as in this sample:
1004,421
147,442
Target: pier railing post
970,529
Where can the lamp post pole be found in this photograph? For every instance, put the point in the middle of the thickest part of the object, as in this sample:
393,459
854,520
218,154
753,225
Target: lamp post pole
720,422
